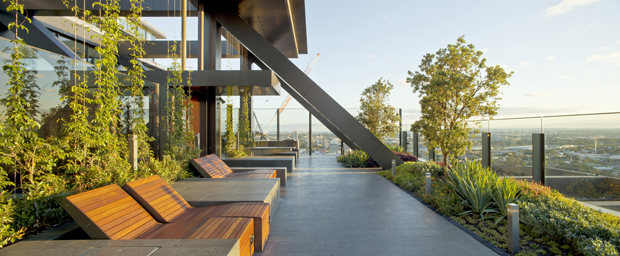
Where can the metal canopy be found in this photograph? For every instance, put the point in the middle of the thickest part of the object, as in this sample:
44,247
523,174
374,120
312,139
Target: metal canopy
281,22
261,82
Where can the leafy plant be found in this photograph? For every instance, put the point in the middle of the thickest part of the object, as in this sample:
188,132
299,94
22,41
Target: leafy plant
475,186
506,192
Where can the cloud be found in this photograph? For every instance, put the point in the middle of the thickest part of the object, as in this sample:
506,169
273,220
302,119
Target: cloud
386,18
550,58
402,83
543,94
565,6
387,56
604,48
590,72
613,58
371,56
525,63
484,50
564,77
617,42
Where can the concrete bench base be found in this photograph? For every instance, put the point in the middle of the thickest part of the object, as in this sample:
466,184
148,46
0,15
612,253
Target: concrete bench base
211,247
200,192
280,172
262,162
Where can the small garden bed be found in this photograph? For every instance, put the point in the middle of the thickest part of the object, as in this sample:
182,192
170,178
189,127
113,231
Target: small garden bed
551,224
359,158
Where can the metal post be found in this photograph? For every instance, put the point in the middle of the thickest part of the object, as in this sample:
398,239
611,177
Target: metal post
133,151
197,140
310,134
431,154
538,157
393,168
415,144
184,34
237,141
201,37
513,227
400,128
428,187
277,124
403,140
486,149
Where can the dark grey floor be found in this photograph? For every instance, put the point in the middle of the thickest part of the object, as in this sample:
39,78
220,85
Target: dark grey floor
326,209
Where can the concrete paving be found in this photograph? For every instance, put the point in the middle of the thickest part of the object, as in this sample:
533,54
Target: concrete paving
327,209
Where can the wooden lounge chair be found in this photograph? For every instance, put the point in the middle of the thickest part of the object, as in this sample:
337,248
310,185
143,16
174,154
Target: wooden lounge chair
166,205
211,166
110,213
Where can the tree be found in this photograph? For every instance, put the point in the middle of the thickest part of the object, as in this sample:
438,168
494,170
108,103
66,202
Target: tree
455,85
375,113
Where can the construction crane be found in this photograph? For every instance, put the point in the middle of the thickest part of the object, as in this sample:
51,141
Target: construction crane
262,132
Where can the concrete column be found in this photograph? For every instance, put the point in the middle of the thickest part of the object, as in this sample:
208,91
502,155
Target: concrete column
431,154
538,157
211,58
486,149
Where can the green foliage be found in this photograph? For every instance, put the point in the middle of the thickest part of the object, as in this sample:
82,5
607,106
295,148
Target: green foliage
375,113
244,116
506,192
475,185
592,232
8,234
168,169
396,148
455,85
357,158
230,148
421,168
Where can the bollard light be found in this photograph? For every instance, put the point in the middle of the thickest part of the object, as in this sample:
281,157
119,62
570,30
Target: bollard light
513,227
393,168
428,183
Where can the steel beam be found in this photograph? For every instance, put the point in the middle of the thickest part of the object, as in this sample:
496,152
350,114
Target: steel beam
303,89
38,35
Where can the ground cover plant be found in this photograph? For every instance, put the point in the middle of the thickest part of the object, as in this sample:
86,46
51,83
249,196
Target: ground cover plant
551,224
359,158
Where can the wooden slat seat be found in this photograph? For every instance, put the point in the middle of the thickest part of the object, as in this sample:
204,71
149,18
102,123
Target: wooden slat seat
167,206
211,166
110,213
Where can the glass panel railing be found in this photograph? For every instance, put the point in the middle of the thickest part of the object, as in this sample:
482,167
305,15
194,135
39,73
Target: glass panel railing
511,143
583,158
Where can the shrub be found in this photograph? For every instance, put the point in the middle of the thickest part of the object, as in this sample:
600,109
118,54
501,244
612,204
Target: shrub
592,232
506,192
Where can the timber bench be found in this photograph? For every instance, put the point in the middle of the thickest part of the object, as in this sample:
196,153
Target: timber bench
211,166
110,213
167,206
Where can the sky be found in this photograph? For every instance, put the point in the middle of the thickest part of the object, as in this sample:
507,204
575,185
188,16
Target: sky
565,54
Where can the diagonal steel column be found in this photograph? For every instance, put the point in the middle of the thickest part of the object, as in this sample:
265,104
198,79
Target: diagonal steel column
303,89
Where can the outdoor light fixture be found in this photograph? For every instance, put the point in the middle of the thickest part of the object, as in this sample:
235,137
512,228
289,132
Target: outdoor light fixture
221,100
513,227
428,183
241,89
393,168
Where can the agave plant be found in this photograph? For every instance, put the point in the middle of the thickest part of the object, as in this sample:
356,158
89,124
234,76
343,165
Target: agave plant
475,186
506,192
